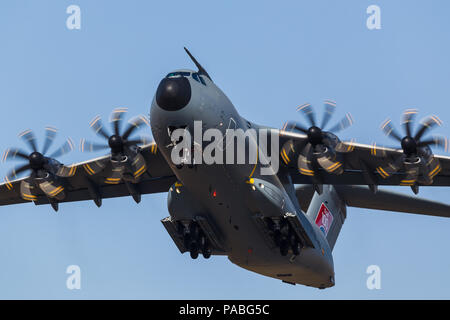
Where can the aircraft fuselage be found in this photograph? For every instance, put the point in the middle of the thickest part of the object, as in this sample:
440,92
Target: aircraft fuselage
231,195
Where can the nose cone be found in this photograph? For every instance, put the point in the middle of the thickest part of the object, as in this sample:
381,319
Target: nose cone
173,93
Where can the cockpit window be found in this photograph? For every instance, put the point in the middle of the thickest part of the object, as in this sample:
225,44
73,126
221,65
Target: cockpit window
195,77
178,74
198,78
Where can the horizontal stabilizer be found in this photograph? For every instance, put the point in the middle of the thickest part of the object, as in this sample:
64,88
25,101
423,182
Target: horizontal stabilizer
362,197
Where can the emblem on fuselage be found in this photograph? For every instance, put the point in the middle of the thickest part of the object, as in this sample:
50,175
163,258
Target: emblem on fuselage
324,219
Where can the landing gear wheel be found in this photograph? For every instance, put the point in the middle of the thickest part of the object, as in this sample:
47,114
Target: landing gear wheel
284,247
194,254
206,253
193,249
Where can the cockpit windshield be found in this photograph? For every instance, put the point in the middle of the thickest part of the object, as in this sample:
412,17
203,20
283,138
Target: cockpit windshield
194,75
178,74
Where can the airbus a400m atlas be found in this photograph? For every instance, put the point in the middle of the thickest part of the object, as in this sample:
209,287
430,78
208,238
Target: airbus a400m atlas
282,223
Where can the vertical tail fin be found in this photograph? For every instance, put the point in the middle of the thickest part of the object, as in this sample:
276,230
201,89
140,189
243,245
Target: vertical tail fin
327,211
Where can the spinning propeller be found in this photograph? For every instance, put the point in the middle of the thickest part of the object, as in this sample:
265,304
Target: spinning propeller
44,170
321,148
126,160
417,159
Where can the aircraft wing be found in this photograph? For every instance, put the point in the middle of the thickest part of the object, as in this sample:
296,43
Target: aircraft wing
362,165
82,184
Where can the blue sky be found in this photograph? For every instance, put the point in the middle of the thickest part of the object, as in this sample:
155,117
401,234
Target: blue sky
268,57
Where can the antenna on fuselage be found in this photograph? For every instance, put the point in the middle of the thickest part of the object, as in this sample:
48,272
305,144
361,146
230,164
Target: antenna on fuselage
201,70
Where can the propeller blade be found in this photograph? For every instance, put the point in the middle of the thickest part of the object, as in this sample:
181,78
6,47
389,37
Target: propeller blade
97,126
389,130
286,151
379,151
12,153
50,134
307,110
330,107
146,140
434,167
305,165
412,173
427,124
65,148
138,165
143,140
116,174
346,146
135,124
87,146
29,138
294,126
391,168
116,119
407,119
437,141
26,191
346,122
66,171
94,167
52,189
12,175
330,164
289,149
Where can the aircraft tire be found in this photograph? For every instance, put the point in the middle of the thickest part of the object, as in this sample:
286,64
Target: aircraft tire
194,254
206,253
193,250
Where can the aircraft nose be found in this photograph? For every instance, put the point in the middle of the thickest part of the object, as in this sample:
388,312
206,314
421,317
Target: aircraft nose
173,93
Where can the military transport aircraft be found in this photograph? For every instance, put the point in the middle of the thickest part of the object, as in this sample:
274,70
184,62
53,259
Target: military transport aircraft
283,225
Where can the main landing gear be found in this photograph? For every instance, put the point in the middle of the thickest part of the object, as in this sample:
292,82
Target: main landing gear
195,240
284,236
